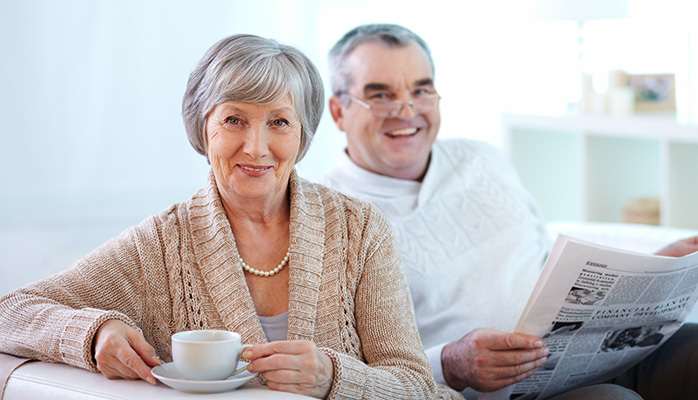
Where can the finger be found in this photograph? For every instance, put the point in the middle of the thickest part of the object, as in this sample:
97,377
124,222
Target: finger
296,347
136,366
283,377
523,371
258,351
498,364
522,368
511,341
143,359
497,377
127,364
497,384
108,357
113,368
117,359
276,362
145,351
519,357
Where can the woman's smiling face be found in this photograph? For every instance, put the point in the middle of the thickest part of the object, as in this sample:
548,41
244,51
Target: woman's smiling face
253,148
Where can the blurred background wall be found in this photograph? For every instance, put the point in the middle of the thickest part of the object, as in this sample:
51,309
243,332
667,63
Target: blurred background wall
91,138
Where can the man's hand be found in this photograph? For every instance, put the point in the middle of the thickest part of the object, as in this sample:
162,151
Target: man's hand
489,359
121,352
680,248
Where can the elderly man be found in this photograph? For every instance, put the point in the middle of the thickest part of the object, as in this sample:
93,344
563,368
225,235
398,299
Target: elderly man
471,238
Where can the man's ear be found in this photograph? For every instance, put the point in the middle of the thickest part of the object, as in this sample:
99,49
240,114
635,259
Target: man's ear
337,111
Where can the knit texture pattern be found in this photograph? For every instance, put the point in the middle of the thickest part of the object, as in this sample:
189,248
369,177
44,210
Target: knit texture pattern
179,270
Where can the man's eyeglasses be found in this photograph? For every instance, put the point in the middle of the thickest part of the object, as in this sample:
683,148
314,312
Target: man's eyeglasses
388,109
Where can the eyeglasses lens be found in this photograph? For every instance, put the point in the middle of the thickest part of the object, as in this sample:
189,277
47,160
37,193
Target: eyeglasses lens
392,108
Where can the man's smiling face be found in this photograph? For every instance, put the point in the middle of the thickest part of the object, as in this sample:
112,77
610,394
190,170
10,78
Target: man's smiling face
397,146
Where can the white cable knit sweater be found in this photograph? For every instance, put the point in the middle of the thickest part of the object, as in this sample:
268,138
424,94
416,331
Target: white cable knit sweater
470,236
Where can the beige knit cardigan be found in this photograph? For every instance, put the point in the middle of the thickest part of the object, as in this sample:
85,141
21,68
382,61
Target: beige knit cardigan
179,270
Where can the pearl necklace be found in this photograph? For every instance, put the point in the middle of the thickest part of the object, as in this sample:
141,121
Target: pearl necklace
257,272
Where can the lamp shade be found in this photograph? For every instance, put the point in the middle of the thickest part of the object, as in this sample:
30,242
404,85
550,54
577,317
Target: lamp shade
582,10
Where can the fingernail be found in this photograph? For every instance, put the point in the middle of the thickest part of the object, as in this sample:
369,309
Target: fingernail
151,380
546,351
539,343
246,354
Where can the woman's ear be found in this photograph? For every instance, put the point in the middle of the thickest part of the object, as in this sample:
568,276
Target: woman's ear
337,111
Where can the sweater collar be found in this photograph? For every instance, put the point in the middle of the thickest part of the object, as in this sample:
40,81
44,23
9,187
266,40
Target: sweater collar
368,182
216,254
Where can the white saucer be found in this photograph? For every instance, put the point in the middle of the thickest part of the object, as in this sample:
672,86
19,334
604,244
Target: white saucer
167,374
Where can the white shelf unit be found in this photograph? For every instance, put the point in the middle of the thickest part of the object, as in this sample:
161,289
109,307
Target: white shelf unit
588,167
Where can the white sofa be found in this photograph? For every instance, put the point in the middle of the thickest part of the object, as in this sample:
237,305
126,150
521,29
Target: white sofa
36,380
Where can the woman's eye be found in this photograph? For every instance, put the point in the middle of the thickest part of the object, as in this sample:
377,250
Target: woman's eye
232,121
280,122
420,92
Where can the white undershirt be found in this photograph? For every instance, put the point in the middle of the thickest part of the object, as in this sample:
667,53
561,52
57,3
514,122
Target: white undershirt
275,327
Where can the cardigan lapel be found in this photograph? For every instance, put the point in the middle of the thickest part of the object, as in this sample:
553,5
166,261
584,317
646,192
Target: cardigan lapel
217,256
307,228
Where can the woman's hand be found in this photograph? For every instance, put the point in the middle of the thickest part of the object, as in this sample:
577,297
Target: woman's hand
121,352
292,366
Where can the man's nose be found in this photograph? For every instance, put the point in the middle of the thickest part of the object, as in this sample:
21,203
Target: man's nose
407,110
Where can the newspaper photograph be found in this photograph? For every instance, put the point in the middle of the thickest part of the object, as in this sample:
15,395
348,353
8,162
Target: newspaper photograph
600,311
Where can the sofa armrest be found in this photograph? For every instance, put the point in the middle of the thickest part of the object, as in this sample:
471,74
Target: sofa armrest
40,380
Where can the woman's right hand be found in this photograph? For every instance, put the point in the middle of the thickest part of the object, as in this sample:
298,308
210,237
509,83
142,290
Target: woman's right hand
121,352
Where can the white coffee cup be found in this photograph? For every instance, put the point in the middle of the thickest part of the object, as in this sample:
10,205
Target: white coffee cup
207,355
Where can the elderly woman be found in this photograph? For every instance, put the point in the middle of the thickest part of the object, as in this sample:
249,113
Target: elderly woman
310,276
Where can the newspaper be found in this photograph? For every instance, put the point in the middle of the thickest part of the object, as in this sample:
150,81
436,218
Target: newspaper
600,311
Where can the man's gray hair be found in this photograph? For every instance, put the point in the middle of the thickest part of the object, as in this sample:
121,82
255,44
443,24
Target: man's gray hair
390,35
251,69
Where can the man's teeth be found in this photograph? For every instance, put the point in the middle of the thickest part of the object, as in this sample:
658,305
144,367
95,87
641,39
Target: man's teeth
253,169
403,132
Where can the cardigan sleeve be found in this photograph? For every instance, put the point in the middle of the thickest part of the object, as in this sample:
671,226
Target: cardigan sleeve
55,319
395,366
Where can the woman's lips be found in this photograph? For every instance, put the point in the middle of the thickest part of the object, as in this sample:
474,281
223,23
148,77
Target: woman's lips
254,170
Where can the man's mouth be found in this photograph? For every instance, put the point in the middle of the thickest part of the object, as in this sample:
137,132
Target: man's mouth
403,132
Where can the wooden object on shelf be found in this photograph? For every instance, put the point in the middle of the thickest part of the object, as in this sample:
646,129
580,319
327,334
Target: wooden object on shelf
642,211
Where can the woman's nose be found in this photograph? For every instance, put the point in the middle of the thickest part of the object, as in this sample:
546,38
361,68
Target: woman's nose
256,142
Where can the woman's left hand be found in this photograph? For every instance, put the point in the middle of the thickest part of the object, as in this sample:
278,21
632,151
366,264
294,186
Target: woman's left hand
292,366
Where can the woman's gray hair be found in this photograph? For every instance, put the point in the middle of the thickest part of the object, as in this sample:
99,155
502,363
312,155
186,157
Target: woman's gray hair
252,69
390,35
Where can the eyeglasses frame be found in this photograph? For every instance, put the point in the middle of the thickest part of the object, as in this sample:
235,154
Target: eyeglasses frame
367,106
